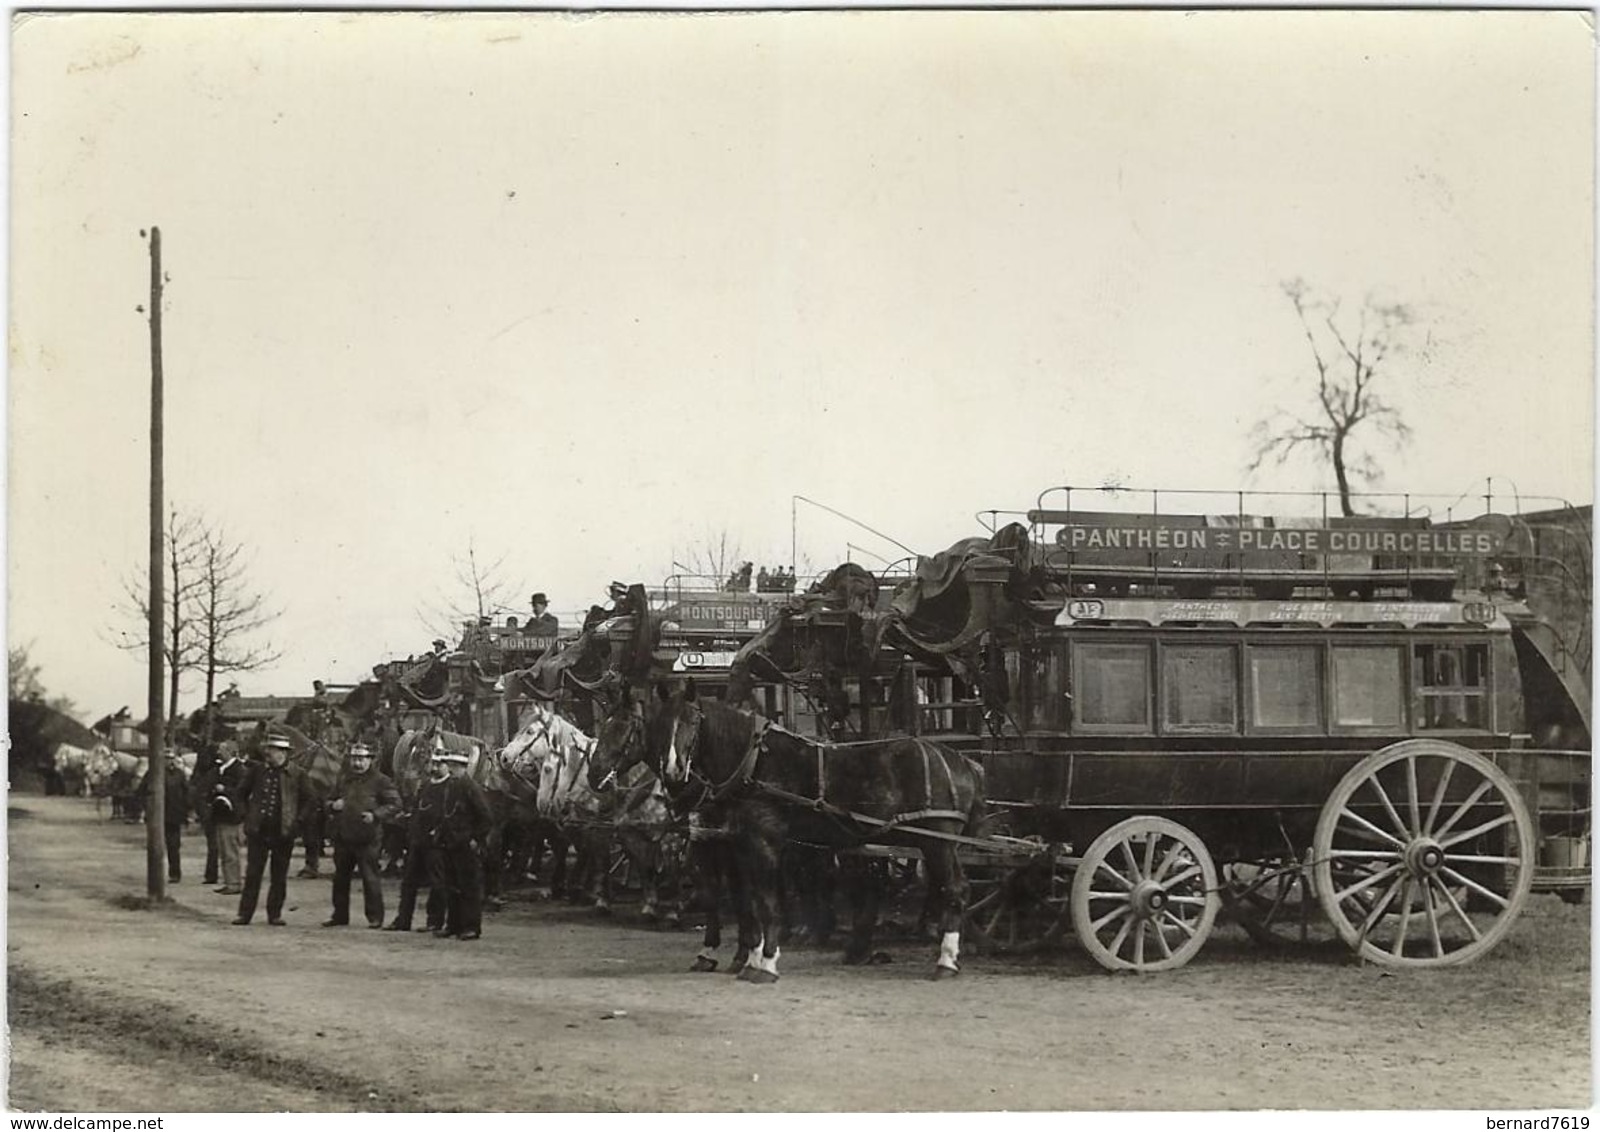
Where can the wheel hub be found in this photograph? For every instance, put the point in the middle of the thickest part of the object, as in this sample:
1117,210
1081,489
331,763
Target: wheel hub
1424,857
1148,899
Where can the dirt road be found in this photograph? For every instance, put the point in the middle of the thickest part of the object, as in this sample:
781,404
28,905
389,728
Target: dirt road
114,1007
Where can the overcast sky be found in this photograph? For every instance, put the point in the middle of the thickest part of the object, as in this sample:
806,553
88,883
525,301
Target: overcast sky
582,290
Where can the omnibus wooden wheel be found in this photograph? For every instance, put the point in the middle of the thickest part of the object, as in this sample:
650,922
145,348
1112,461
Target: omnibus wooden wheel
1145,896
1424,855
1017,909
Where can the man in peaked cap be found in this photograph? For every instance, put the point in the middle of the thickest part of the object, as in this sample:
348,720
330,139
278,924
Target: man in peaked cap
273,794
463,828
422,865
367,799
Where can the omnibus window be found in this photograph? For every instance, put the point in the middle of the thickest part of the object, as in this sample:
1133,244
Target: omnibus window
1286,686
1112,686
1199,688
1367,691
1452,685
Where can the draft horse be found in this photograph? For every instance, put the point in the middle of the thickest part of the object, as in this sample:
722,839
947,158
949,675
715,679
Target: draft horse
769,785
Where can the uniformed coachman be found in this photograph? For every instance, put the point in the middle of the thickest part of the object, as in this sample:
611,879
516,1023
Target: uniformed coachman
367,799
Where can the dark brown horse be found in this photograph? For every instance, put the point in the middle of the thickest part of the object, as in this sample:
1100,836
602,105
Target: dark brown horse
769,785
620,747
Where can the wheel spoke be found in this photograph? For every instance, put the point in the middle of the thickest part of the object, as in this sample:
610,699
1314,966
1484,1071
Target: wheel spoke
1380,908
1127,855
1496,823
1174,882
1181,925
1104,865
1366,854
1476,887
994,920
1108,917
1115,947
1476,859
1433,919
1438,797
1461,914
1347,812
1472,800
1161,941
1138,945
1412,801
1170,856
1149,853
1095,894
1405,920
1388,806
1360,886
1186,900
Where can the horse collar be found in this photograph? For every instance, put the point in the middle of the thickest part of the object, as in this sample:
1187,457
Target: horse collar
745,771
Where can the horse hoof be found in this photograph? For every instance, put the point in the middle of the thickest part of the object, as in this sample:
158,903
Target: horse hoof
757,975
940,973
602,909
701,963
881,957
856,959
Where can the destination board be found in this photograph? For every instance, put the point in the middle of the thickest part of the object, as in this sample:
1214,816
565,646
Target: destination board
729,611
1241,613
1095,531
1158,536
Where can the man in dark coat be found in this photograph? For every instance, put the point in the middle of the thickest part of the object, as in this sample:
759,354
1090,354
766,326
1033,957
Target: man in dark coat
201,784
422,859
463,828
366,800
273,795
543,623
227,813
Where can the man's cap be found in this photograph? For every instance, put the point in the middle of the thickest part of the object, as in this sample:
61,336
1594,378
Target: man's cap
278,743
619,590
454,757
360,751
538,599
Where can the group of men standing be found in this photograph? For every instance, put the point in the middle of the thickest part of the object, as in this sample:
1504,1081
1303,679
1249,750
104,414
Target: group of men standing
261,805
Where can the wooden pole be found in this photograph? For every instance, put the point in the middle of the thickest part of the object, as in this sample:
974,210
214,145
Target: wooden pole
155,811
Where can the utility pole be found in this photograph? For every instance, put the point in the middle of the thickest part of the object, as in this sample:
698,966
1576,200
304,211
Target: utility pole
155,813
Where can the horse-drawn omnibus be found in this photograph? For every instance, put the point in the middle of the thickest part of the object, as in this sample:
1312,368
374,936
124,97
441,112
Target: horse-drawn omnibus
1384,716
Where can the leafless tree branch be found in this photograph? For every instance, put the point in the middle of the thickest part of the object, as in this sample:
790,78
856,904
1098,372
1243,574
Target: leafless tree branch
1347,371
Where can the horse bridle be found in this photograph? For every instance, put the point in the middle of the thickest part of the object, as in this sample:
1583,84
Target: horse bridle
629,738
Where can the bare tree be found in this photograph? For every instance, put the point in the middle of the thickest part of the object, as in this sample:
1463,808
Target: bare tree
716,555
480,589
181,646
1349,416
226,613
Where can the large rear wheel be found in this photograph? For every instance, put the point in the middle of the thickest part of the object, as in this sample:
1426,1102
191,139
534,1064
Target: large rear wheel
1424,855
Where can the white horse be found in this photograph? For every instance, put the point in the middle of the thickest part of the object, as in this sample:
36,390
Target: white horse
632,813
72,765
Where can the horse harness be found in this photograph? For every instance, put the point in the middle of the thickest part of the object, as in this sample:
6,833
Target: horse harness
743,779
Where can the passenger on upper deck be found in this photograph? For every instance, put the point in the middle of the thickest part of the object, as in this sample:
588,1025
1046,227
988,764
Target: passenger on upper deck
541,623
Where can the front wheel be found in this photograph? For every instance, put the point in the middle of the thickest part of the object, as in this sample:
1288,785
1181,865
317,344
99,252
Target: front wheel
1424,855
1144,897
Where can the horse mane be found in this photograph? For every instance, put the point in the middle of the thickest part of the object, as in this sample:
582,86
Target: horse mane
728,727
